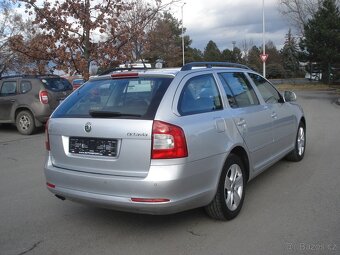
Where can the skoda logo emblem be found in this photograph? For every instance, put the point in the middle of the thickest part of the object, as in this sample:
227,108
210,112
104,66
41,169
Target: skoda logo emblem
88,127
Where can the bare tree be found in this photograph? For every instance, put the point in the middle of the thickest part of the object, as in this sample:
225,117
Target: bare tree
139,21
11,24
300,11
247,45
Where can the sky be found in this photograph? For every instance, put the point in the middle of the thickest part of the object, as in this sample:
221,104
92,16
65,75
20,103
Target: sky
225,21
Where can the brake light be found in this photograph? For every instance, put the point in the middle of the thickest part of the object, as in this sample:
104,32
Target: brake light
43,97
124,74
168,141
47,138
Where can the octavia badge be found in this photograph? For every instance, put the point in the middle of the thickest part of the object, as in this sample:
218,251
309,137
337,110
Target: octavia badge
88,127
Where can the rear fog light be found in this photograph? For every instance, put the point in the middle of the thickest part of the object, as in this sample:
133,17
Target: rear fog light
150,200
50,185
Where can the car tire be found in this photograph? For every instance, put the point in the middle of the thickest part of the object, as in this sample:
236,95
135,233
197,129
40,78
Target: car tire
298,153
25,123
229,197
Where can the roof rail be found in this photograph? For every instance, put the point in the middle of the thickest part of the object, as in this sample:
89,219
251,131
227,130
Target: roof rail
28,76
189,66
118,69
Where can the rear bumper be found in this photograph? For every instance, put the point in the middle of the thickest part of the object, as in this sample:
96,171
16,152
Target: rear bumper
43,119
184,189
42,114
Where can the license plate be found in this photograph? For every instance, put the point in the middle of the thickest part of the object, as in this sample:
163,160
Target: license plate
93,146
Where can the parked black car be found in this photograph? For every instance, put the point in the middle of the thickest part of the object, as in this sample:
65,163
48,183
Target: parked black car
28,100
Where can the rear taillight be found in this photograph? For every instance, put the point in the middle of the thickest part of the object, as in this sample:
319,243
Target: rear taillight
168,141
47,138
43,97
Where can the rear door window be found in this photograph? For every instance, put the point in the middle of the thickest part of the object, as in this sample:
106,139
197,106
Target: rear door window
200,94
116,98
8,88
239,91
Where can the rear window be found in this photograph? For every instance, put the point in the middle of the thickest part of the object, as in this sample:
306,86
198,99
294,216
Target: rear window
115,98
56,84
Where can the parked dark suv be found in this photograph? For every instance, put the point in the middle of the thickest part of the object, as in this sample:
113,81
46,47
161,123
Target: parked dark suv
28,100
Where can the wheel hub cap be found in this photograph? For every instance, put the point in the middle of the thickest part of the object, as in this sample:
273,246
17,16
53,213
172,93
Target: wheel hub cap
24,122
233,187
301,141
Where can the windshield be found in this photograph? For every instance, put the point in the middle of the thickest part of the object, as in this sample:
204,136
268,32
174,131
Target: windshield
56,84
115,98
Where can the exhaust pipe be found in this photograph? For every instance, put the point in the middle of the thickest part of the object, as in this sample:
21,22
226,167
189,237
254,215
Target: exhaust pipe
60,197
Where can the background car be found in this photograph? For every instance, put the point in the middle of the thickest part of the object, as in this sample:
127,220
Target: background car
28,100
168,140
76,83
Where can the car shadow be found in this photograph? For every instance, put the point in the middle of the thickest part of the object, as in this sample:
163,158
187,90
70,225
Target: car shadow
11,129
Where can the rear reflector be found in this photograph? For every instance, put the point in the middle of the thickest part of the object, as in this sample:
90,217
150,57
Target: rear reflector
43,97
150,200
168,141
50,185
124,74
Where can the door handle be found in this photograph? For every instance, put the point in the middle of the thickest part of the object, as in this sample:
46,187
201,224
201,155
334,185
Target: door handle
241,123
274,115
242,126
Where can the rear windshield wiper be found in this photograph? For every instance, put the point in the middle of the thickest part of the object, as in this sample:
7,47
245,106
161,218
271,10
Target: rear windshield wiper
108,114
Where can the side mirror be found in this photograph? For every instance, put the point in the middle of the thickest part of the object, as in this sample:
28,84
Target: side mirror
289,96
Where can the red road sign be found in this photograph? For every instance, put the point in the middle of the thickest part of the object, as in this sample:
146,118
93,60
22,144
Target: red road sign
264,57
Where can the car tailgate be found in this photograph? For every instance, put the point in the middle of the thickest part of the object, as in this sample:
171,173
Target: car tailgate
103,146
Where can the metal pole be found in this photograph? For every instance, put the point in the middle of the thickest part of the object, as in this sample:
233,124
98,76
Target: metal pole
263,40
183,36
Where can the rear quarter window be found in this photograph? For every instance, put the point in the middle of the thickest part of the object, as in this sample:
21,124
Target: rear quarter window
56,84
25,86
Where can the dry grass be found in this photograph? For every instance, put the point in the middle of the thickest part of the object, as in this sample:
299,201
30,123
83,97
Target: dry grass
308,86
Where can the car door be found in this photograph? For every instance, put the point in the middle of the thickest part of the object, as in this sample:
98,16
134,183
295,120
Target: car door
284,120
201,110
252,119
8,93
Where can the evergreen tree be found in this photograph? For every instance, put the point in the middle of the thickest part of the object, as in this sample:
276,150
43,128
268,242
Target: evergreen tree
254,61
164,41
211,52
274,68
227,55
193,55
289,54
237,56
322,37
273,54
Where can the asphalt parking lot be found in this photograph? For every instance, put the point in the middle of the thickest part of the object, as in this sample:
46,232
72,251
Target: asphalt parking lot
292,208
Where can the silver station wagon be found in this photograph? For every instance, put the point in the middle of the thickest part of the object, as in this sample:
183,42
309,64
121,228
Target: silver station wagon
167,140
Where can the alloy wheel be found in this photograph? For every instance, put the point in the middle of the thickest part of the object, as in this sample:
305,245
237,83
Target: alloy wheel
233,187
